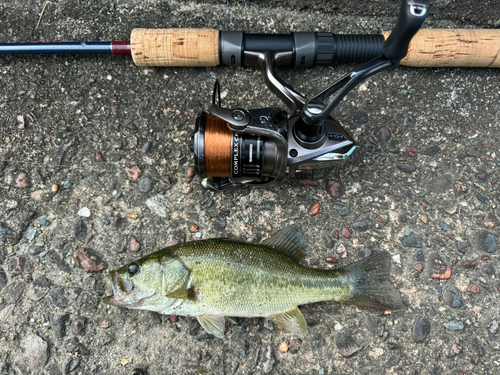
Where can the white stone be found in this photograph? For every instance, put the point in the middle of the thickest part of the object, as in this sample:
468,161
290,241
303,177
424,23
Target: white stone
85,212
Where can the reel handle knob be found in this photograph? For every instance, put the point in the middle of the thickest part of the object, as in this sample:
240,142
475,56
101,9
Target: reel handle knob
410,19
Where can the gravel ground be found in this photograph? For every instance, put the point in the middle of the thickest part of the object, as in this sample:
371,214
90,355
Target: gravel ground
94,165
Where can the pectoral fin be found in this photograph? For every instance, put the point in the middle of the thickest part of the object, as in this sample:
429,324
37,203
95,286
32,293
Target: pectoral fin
183,293
213,324
292,321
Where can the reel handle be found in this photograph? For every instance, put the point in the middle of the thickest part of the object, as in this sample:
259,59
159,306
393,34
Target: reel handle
410,19
317,109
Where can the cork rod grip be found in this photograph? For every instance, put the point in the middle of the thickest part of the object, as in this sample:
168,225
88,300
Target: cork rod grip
175,47
454,48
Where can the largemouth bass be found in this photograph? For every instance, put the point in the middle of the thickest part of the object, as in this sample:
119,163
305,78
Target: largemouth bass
219,278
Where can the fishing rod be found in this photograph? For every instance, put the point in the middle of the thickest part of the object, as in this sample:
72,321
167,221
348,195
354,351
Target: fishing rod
261,147
206,47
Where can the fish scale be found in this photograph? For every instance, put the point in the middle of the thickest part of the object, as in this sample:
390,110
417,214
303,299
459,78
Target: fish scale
226,270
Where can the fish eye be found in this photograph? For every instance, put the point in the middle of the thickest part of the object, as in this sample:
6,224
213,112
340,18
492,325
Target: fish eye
133,269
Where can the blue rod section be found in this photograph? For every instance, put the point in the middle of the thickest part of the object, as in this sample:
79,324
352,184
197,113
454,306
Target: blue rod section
103,48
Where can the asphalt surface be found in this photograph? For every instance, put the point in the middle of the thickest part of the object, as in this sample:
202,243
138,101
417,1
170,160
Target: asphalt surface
94,164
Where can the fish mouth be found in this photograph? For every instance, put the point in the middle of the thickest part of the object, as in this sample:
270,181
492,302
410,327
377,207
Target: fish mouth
111,300
121,289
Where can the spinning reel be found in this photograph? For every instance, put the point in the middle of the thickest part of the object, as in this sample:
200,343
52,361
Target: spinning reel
260,147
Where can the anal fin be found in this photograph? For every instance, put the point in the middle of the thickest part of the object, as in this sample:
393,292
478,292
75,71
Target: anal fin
293,321
213,324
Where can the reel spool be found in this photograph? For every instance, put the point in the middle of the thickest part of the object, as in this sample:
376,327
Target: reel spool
231,155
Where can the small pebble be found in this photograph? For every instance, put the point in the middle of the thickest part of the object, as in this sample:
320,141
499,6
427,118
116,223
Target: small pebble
134,244
473,288
412,241
341,209
456,302
283,347
307,182
482,198
391,360
454,326
22,181
34,250
84,212
407,168
421,329
31,234
293,346
493,326
383,134
489,243
145,185
78,326
133,173
444,226
346,233
146,147
462,247
67,184
190,174
44,222
336,189
314,209
238,330
362,225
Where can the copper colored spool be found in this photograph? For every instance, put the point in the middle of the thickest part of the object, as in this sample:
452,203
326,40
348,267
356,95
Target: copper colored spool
217,148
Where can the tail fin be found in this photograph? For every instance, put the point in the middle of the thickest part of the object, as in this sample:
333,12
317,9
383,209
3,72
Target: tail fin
371,286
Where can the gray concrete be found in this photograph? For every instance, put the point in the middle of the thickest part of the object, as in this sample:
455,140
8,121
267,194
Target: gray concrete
79,121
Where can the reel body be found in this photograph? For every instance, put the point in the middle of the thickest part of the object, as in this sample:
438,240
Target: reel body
260,147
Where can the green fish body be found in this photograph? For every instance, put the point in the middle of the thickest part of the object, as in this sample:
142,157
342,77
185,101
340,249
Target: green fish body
215,279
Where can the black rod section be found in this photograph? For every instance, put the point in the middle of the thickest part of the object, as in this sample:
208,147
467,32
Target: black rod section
307,48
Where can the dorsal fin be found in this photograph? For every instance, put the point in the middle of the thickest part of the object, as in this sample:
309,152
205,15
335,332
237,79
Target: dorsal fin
288,242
